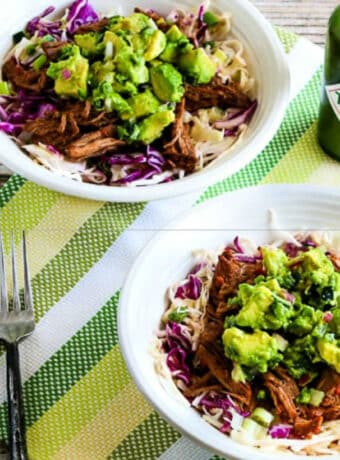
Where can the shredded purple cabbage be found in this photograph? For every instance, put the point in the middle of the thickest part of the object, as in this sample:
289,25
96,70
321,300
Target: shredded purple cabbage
247,259
214,400
16,110
175,336
80,13
281,431
291,249
238,246
197,268
201,14
236,119
191,289
43,27
178,351
143,165
310,243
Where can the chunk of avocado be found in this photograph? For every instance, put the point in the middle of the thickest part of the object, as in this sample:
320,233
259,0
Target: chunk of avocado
330,352
174,34
134,23
151,127
101,71
132,66
104,97
119,44
262,307
317,267
89,44
142,104
177,43
276,263
155,46
257,350
70,75
167,83
197,65
305,319
123,86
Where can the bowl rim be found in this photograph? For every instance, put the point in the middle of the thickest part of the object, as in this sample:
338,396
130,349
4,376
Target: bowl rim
124,301
23,165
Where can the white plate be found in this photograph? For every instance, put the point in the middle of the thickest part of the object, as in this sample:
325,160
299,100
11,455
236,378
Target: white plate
268,65
167,258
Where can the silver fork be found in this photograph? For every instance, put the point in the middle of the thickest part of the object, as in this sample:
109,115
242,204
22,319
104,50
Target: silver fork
15,324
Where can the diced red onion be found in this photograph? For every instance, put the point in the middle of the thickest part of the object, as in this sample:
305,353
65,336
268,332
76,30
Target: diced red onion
328,316
288,296
66,74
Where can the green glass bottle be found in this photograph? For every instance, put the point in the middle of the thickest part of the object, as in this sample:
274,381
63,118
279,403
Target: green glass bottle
329,115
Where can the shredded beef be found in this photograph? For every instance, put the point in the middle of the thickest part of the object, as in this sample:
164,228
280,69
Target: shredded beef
180,151
306,428
62,127
215,94
219,367
97,26
33,80
94,144
335,259
202,384
228,275
52,49
283,390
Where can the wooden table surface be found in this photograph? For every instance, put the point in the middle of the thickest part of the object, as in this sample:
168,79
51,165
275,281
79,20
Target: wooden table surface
305,17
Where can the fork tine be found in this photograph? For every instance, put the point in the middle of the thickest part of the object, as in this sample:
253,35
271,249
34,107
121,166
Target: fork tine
3,285
27,291
16,298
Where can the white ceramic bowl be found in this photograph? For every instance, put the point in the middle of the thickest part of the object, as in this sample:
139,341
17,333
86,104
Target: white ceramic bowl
268,65
167,259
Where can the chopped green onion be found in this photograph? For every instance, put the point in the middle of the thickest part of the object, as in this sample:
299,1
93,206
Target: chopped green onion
310,396
210,19
261,395
316,397
30,49
262,416
47,38
253,430
178,315
4,88
39,62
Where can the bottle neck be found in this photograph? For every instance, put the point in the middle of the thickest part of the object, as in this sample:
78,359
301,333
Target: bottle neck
332,51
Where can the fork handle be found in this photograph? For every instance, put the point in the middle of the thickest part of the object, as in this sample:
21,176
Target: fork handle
17,438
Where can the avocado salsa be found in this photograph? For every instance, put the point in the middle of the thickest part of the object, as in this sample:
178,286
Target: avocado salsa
252,340
126,100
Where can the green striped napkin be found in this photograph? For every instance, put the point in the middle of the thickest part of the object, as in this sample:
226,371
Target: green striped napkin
81,402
